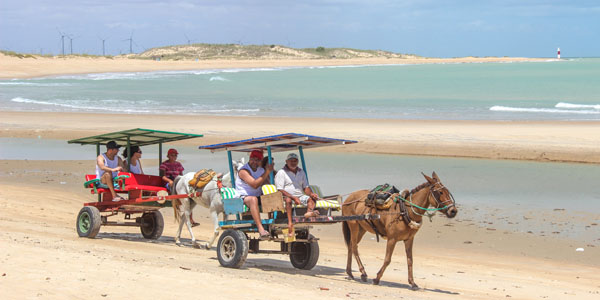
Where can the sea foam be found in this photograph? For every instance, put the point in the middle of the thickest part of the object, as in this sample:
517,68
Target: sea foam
543,110
571,105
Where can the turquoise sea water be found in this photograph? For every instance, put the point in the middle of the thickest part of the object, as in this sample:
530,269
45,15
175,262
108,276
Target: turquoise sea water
551,90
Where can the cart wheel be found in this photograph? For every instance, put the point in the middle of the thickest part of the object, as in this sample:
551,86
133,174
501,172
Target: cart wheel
304,255
152,225
232,249
88,222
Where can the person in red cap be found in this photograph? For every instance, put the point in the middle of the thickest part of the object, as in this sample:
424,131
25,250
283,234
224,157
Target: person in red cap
248,184
169,170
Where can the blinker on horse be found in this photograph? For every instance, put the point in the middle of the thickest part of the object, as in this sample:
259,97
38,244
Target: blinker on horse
392,225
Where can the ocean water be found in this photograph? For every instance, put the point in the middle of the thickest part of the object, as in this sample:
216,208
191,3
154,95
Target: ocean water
520,196
550,90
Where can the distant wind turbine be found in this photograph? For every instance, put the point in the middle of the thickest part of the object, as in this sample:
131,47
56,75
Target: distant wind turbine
103,40
187,38
71,38
130,39
62,38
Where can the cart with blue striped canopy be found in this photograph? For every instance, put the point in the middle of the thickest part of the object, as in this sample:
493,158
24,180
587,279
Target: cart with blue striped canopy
238,238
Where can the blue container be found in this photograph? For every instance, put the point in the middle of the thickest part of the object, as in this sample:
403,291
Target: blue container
233,206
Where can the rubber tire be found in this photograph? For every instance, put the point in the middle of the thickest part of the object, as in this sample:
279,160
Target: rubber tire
308,256
232,249
152,225
88,222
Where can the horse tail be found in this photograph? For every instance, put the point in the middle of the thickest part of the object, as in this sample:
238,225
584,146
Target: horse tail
176,203
346,231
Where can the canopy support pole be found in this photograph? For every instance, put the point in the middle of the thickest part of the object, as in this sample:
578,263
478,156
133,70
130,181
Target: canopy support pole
159,156
231,174
98,154
128,153
270,161
303,163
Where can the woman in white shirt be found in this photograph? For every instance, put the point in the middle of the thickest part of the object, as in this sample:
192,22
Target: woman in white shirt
135,166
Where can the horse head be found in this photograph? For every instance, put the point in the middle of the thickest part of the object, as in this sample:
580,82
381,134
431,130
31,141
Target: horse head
440,196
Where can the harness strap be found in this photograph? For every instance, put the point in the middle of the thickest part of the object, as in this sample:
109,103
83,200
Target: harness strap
404,212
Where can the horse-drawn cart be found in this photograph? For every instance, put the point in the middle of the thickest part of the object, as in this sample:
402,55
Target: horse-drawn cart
239,236
144,194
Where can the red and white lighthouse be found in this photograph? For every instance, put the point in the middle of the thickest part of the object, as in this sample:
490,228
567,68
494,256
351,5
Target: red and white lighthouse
558,53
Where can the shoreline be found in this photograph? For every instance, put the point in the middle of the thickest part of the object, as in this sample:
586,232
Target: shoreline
25,68
552,141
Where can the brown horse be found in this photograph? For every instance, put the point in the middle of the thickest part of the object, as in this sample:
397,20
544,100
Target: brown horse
392,225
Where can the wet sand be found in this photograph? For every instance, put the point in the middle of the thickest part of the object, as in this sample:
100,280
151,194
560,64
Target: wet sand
538,141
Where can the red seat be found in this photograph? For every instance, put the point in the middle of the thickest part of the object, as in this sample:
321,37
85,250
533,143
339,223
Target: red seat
143,182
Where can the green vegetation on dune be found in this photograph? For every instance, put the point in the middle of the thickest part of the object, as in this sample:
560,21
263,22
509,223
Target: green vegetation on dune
236,51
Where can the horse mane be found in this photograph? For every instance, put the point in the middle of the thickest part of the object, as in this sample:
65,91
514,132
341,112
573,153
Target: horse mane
420,187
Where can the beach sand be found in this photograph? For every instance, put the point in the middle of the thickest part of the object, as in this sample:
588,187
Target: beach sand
42,257
14,67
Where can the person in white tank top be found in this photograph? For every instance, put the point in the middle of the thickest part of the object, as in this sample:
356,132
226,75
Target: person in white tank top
108,165
135,166
248,183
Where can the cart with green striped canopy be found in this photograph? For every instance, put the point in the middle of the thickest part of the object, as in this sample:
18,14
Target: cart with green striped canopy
239,236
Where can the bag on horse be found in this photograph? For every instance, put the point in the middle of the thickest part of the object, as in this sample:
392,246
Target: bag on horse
380,195
202,177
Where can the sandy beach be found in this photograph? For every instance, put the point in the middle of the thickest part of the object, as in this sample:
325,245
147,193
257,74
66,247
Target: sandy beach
42,257
14,67
539,141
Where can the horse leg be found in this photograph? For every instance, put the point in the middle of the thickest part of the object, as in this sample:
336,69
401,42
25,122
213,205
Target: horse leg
389,250
409,261
215,217
357,233
188,223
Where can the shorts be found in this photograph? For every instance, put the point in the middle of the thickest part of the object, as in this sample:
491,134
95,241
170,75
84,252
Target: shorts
304,199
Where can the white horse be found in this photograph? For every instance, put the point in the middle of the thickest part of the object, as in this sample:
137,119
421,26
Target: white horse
210,198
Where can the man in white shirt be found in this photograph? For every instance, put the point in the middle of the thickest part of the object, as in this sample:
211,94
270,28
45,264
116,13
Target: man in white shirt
108,165
292,182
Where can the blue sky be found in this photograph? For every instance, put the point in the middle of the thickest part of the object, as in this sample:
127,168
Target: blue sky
436,28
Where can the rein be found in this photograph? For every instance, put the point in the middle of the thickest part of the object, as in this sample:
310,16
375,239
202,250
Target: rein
438,186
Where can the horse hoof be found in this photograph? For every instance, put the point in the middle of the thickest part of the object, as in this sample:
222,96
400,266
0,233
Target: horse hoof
196,246
178,243
363,278
350,276
206,247
414,287
375,281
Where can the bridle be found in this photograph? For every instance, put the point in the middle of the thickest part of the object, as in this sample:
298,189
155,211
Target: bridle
434,191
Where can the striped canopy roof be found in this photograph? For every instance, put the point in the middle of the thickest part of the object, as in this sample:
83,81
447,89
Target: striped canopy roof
278,143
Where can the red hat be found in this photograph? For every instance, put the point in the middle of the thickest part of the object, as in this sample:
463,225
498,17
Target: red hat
256,154
172,151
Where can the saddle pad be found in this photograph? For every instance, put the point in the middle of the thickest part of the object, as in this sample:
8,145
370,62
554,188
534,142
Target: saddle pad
227,193
268,189
323,204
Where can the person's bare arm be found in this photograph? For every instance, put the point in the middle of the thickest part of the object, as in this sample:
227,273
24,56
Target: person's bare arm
310,193
251,181
103,167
